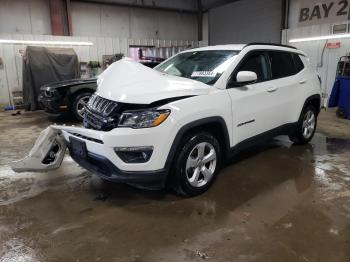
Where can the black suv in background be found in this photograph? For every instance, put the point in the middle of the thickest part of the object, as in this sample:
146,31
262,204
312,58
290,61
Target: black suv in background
67,97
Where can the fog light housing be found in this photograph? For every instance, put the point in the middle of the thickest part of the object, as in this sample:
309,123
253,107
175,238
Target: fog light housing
51,155
134,155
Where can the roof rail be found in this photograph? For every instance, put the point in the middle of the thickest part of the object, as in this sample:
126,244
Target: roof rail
270,44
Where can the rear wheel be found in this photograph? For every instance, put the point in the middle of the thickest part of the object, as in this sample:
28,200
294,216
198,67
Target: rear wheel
196,165
306,126
79,104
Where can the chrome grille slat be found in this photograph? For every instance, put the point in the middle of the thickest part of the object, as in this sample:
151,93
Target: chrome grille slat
101,105
100,113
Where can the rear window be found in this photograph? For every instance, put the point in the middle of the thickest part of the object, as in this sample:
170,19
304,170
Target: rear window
298,63
282,64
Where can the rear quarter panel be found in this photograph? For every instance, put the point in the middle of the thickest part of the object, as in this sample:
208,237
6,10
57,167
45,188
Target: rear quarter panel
310,88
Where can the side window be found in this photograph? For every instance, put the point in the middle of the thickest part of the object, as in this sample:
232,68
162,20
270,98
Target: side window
298,63
282,64
256,63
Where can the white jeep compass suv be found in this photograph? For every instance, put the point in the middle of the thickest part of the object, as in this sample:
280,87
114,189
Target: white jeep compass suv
176,124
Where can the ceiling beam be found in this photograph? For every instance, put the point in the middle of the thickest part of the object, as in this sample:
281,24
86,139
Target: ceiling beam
210,4
150,7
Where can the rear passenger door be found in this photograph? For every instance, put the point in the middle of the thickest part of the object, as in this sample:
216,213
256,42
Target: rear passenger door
287,79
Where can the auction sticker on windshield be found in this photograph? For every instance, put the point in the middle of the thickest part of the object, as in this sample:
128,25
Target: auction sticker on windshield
203,74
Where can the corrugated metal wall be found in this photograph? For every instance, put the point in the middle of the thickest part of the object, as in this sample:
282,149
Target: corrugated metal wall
25,17
136,23
104,20
327,69
246,21
11,73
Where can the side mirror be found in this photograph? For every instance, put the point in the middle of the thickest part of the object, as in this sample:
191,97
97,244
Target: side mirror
244,78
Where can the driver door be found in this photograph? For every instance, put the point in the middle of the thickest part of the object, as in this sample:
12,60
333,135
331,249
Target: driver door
253,105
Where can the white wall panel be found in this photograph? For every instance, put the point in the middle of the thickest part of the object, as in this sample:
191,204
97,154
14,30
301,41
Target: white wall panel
143,23
114,21
86,19
25,17
313,49
4,93
101,20
177,26
124,22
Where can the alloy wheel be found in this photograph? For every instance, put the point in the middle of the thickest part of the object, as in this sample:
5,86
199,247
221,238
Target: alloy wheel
201,164
309,124
80,107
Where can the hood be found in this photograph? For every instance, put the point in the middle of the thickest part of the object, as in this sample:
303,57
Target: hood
70,82
128,81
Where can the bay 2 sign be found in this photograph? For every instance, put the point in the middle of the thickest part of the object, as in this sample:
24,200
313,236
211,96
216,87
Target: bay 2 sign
324,11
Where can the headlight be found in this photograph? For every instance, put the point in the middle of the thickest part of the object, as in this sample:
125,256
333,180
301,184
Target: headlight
50,92
143,119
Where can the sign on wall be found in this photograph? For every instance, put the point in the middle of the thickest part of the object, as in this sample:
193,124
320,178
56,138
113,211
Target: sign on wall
323,11
333,45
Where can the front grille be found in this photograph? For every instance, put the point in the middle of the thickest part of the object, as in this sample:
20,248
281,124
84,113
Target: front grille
101,114
101,105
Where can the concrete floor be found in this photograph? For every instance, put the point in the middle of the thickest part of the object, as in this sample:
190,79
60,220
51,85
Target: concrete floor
275,202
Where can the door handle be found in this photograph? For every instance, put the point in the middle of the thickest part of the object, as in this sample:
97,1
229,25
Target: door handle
302,81
272,89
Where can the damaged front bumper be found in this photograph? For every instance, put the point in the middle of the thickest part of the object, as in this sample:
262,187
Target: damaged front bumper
46,154
94,151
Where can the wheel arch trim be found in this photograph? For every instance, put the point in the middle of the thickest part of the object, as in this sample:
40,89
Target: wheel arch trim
309,99
191,126
75,93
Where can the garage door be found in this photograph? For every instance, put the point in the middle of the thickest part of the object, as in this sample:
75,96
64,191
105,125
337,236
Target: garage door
246,21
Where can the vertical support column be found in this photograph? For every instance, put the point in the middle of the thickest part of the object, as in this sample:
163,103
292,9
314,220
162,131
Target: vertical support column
200,20
69,18
284,20
60,17
285,14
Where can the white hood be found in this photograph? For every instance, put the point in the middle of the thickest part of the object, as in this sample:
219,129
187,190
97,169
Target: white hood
131,82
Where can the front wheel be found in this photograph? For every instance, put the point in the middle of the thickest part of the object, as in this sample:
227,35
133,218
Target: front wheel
306,126
79,104
197,164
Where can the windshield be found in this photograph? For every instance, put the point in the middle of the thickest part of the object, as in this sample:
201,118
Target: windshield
205,66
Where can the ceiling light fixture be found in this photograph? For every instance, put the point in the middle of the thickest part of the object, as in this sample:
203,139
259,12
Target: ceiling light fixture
33,42
317,38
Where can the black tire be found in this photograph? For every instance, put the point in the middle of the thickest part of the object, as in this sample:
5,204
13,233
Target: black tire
299,136
76,104
179,177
